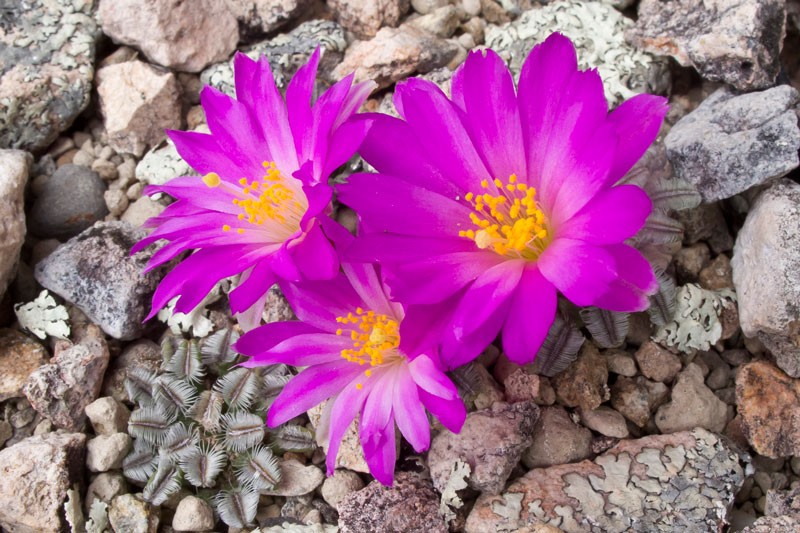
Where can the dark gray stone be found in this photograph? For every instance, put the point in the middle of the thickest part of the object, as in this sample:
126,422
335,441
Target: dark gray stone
733,142
72,200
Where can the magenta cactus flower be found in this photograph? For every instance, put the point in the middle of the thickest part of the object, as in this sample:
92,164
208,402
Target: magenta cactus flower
491,203
363,355
261,208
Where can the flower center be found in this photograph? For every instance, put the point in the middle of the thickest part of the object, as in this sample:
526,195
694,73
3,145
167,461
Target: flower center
273,200
375,338
509,222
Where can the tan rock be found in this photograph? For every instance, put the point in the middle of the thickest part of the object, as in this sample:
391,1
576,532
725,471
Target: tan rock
557,440
14,168
605,421
19,357
768,402
718,274
177,34
637,398
365,17
583,383
350,455
138,102
656,363
693,405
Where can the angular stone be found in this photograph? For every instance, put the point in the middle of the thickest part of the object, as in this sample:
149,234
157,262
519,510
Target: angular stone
19,358
521,386
365,17
679,482
130,514
179,35
583,383
108,416
394,54
409,505
732,142
782,502
637,397
193,514
264,16
441,22
14,167
490,460
734,41
105,487
692,405
766,273
336,487
138,102
768,402
557,440
95,272
62,389
36,473
656,363
297,479
597,31
718,274
47,50
770,524
70,202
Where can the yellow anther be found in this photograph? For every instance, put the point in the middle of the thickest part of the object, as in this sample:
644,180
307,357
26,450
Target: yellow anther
240,231
498,183
226,228
242,181
368,372
484,183
212,179
512,178
359,386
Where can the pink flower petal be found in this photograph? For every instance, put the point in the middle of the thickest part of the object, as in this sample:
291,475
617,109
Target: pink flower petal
581,271
610,217
532,310
637,122
409,413
451,413
429,378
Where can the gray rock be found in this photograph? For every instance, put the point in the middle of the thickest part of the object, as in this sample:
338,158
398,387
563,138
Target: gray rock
286,53
14,168
62,389
71,201
766,273
130,514
340,484
296,479
193,514
106,452
735,41
410,505
557,440
679,482
36,475
105,487
365,17
163,163
490,460
179,35
95,272
692,405
597,31
108,416
733,142
771,524
19,357
706,223
257,17
47,50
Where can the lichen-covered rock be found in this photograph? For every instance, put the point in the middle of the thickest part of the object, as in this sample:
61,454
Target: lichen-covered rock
130,514
162,163
692,405
394,54
179,35
286,53
410,505
732,142
365,17
19,357
264,16
597,31
70,201
735,41
768,402
61,389
490,460
583,383
46,69
95,272
682,481
138,102
557,440
35,475
766,273
14,166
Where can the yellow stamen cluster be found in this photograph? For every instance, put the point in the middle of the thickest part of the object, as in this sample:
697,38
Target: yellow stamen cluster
375,337
510,222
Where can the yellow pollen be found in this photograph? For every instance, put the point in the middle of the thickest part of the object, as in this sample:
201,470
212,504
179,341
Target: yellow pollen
359,386
212,179
510,223
226,228
375,337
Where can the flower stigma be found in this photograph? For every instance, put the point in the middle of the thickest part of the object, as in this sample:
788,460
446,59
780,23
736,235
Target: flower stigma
509,222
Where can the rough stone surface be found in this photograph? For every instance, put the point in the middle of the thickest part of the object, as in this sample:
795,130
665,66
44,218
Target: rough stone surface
138,102
14,167
732,142
557,440
296,479
71,201
142,210
605,421
394,54
365,17
95,272
683,481
193,514
490,460
350,455
583,383
597,31
46,68
163,163
734,41
106,452
130,514
441,22
766,273
521,386
409,505
61,389
105,487
768,402
692,405
718,274
336,487
263,16
19,357
782,502
770,524
637,397
35,475
180,35
108,416
656,363
141,354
